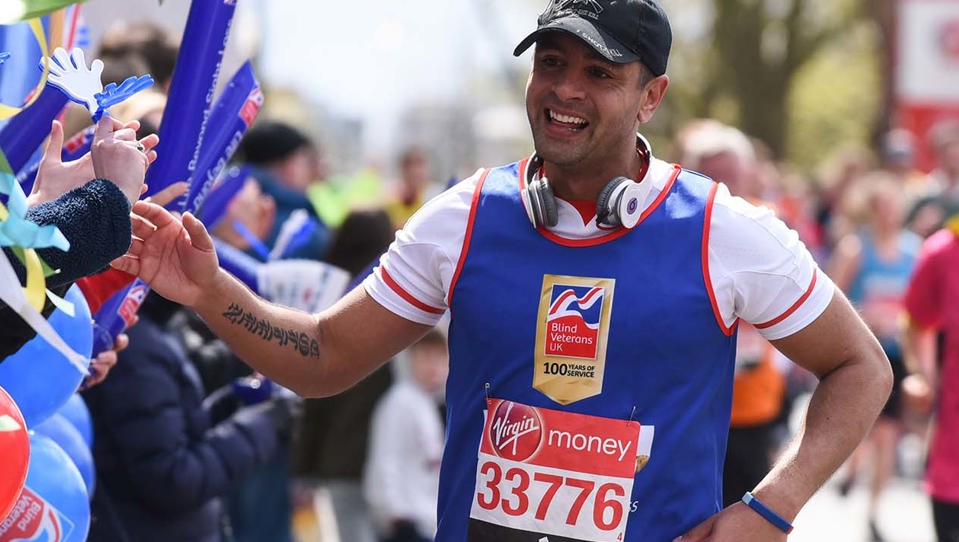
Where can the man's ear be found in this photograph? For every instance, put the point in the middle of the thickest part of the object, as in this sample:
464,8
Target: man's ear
653,94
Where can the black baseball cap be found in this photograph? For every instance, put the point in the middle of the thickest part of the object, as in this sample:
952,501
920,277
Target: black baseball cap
622,31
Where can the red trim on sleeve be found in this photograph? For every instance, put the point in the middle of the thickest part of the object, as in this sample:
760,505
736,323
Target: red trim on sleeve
469,232
707,221
406,295
795,306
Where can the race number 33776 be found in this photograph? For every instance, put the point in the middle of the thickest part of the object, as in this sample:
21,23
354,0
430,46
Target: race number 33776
549,472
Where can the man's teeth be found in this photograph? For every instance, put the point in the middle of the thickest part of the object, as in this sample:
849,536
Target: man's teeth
566,119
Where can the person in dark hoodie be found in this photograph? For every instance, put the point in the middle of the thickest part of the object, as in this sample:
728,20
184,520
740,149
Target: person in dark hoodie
162,463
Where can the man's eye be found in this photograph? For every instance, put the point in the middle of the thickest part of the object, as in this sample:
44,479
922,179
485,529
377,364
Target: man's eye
599,73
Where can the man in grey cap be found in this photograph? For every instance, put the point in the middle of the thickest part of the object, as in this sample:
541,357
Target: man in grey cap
594,293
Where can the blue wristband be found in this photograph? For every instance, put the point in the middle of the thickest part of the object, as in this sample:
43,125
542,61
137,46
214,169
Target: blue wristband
766,513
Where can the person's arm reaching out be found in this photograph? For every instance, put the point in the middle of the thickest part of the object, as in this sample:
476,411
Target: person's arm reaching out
314,355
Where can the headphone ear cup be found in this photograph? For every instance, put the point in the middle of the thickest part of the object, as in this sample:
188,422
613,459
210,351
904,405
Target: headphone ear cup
544,203
629,203
606,205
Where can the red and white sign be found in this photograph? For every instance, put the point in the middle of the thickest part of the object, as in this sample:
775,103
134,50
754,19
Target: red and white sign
131,303
251,107
927,68
555,473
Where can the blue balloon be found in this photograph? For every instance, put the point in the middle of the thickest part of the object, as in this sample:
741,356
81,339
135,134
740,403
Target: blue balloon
68,438
53,506
76,412
38,377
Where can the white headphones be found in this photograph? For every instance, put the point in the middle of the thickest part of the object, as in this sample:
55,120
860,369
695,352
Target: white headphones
619,203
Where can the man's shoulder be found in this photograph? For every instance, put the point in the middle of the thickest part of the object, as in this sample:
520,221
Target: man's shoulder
452,203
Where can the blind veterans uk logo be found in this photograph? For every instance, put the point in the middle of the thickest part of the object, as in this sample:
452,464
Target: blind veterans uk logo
573,321
35,520
571,335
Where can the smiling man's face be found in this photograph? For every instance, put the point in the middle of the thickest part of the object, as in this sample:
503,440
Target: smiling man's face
582,108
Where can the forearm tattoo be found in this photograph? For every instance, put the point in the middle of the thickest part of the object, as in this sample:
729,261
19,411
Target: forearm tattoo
300,341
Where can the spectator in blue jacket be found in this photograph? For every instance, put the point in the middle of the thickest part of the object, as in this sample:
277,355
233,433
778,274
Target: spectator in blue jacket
162,463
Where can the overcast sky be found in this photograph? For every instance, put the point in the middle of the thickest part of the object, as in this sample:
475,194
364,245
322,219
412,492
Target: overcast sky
363,53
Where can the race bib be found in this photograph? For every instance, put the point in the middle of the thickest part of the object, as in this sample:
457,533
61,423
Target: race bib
547,474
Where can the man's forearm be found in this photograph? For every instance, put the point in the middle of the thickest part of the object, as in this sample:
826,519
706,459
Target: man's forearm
841,412
277,341
314,355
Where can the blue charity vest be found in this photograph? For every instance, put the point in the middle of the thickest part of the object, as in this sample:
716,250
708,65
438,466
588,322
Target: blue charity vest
666,355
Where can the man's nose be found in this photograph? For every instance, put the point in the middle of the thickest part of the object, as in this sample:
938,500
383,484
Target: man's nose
569,86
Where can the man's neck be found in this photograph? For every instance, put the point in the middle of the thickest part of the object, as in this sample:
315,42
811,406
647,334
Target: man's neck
585,184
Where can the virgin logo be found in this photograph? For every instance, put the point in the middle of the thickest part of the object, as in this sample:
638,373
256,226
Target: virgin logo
516,431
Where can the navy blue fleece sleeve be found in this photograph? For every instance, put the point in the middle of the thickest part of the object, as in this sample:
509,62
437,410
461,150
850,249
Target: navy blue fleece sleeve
95,218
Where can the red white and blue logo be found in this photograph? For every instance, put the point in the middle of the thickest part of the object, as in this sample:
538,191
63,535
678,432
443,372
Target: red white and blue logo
35,520
251,107
572,331
573,321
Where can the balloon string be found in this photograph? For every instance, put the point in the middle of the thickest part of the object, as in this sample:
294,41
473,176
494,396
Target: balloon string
35,288
23,236
12,295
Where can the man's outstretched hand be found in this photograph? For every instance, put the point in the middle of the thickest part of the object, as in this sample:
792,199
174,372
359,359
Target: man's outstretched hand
175,256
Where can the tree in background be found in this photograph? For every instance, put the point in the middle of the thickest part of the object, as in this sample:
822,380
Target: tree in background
802,75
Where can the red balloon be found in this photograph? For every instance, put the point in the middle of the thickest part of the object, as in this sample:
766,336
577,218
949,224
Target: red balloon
15,451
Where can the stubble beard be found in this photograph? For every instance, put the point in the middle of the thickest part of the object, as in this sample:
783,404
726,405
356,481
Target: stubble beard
562,154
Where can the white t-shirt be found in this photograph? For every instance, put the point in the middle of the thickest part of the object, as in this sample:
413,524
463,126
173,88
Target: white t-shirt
758,268
402,474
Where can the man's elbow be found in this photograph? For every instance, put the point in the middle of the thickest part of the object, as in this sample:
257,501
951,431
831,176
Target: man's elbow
320,389
320,384
882,376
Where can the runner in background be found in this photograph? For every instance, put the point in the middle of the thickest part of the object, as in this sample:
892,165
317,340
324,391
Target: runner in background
873,266
933,363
